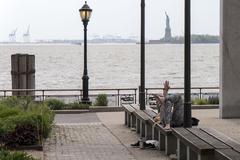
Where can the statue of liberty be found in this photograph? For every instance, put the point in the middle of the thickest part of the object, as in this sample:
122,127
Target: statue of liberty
168,35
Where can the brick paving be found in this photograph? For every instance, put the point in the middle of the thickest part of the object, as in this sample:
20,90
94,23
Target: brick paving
103,136
84,141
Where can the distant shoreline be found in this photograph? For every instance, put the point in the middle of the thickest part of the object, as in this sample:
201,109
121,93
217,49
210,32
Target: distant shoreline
137,43
195,38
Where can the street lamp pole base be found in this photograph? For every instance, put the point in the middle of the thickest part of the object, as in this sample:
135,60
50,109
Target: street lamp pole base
86,101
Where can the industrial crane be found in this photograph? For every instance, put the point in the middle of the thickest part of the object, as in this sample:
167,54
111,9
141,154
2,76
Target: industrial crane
26,36
12,36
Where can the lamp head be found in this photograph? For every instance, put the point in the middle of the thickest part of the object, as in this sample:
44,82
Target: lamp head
85,12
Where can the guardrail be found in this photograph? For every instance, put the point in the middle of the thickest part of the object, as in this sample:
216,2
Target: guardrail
196,92
116,96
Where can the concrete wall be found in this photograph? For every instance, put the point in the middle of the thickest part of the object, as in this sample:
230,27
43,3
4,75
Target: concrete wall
230,59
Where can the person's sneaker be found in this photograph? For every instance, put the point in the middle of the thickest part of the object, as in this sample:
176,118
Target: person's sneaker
135,144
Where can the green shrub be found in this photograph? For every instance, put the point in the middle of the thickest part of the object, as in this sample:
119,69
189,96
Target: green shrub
213,100
77,105
101,100
199,101
55,104
22,102
7,155
26,123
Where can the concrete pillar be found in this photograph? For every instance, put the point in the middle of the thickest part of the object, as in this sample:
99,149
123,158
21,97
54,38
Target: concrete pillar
230,59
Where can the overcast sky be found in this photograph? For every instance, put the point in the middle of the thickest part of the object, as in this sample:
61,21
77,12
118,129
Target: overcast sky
59,19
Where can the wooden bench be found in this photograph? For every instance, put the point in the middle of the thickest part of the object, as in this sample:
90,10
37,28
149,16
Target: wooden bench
232,153
142,124
145,126
191,147
135,118
130,119
165,137
198,143
227,140
168,142
151,114
227,154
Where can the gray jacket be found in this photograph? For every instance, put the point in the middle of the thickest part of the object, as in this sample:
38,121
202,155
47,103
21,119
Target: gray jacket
172,111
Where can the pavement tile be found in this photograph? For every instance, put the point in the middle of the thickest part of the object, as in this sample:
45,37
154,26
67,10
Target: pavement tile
91,141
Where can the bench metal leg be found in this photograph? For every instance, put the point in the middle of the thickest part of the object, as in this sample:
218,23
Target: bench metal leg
125,121
161,139
188,153
131,117
191,155
128,120
133,121
205,157
138,125
181,150
170,144
142,129
155,133
148,131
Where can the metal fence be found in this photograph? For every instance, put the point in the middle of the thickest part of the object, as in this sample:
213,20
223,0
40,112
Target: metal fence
196,92
116,97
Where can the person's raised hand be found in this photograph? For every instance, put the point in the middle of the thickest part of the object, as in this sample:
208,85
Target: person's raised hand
166,88
166,85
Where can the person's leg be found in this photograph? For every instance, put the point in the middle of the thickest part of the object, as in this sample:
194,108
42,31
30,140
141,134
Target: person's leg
168,114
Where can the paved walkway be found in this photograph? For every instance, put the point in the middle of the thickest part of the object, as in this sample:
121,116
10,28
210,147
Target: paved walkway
103,136
92,136
90,141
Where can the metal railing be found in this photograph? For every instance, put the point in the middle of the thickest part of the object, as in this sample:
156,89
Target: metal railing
196,92
116,96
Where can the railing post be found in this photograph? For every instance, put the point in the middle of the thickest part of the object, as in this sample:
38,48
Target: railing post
146,96
79,97
135,94
4,94
118,97
43,95
200,94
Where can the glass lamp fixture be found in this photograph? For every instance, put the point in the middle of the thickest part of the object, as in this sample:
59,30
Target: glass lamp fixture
85,12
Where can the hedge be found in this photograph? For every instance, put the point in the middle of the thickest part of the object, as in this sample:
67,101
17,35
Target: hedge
24,122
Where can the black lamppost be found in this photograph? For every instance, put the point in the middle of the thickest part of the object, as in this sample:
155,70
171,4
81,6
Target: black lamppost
142,86
187,66
85,13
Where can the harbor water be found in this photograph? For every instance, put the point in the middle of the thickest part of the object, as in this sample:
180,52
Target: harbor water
113,65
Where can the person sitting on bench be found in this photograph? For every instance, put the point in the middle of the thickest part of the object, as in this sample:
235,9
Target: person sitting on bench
171,108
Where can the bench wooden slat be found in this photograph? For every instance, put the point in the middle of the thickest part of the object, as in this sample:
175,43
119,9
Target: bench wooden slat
128,108
150,113
192,141
135,106
227,154
141,114
162,130
227,140
208,138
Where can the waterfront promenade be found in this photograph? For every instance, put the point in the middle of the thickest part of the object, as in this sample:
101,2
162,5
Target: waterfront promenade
104,136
